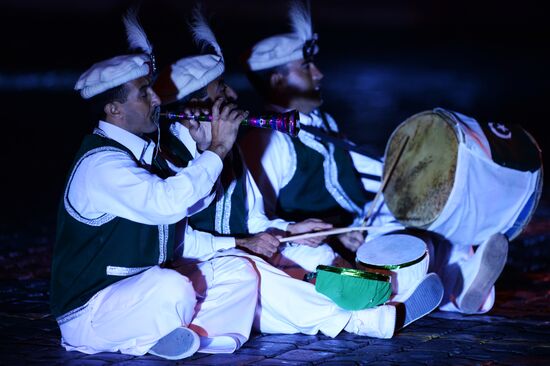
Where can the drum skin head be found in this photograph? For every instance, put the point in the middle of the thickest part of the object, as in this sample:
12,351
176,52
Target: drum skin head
421,181
392,249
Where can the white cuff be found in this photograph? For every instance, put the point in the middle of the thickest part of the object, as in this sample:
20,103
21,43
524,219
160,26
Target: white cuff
223,242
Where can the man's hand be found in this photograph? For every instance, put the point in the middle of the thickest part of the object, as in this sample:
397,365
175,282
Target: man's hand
352,240
225,125
201,132
307,226
263,243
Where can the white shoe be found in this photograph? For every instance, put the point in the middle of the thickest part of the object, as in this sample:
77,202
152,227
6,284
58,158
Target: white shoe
425,298
180,343
480,273
378,322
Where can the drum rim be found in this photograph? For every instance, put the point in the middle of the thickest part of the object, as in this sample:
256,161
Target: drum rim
350,272
395,266
539,188
441,112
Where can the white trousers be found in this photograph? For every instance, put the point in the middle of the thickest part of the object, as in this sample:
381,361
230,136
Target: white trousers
287,305
131,315
227,294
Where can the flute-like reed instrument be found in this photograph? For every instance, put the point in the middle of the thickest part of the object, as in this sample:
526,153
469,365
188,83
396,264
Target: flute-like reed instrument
288,122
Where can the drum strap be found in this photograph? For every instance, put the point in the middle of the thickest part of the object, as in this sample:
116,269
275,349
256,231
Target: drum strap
323,136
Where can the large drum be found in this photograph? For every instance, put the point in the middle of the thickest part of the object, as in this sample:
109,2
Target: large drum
404,258
462,179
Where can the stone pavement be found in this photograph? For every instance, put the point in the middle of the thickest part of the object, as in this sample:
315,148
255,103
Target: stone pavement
515,332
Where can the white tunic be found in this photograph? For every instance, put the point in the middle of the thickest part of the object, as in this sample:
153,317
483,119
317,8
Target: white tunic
111,182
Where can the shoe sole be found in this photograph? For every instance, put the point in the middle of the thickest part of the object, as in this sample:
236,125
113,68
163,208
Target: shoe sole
178,344
426,297
491,265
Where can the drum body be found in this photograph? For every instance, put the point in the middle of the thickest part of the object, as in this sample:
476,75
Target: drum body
404,258
353,289
462,179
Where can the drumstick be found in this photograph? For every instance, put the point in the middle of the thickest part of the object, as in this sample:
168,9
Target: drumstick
385,181
324,233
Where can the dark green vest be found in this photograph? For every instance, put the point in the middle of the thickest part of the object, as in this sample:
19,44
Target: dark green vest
90,255
306,195
227,214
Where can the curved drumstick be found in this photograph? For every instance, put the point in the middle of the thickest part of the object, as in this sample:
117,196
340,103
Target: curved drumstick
385,181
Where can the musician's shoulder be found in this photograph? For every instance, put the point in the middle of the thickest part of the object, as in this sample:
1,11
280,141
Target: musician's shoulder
330,121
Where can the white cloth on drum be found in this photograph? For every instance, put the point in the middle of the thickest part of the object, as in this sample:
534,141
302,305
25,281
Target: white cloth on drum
131,315
475,138
396,249
486,198
405,280
227,293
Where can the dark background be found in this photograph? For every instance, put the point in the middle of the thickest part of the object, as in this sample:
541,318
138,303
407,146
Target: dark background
383,62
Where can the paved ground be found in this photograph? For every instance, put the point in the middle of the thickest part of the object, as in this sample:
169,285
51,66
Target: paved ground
515,332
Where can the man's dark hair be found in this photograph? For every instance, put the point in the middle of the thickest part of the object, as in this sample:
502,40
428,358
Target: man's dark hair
179,105
198,94
261,79
98,102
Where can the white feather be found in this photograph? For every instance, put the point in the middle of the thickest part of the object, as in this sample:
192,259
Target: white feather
202,34
300,19
137,39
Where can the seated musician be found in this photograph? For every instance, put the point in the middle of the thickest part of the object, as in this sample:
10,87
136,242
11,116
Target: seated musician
318,173
118,223
306,176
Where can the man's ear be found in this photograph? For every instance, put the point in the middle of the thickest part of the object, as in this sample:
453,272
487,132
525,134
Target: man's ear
276,80
112,109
